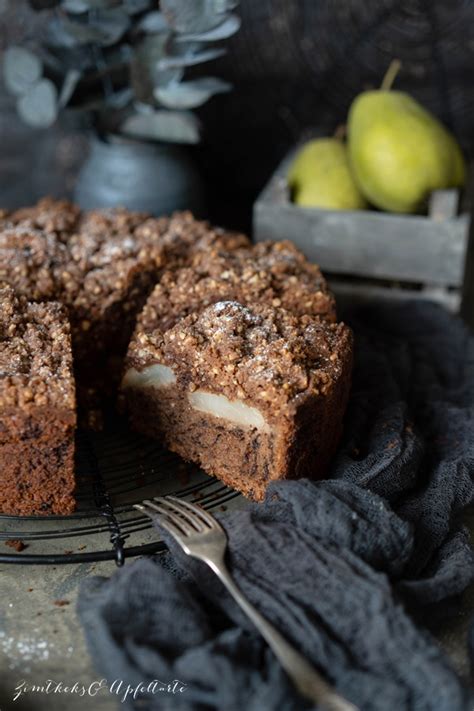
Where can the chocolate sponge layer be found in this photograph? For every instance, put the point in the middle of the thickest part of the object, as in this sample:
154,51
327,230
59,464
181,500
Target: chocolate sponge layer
272,389
37,462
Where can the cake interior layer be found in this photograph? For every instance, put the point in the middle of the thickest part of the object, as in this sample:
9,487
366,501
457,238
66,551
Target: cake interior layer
232,440
240,455
37,462
234,411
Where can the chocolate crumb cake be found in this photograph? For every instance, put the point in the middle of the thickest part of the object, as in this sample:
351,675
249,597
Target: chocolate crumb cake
236,360
37,408
250,393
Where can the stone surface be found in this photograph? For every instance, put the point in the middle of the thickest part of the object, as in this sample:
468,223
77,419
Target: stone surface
41,640
40,636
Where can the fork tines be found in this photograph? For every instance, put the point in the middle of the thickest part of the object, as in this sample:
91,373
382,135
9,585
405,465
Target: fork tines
173,513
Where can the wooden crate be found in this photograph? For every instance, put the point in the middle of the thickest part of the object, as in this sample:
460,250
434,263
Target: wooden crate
368,254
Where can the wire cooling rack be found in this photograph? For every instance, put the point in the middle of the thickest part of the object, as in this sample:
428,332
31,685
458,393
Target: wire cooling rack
114,470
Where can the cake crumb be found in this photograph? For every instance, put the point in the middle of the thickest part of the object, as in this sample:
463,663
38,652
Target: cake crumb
17,544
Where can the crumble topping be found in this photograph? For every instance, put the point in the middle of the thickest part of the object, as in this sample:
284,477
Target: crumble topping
32,261
182,235
274,273
35,353
113,221
257,353
52,251
56,216
106,254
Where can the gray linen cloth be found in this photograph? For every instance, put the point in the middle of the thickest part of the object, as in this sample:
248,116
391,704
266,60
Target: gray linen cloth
350,569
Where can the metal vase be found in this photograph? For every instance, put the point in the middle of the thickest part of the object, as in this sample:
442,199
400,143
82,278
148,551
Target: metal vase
152,177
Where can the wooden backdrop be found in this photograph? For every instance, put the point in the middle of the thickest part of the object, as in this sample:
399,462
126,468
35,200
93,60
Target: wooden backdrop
296,65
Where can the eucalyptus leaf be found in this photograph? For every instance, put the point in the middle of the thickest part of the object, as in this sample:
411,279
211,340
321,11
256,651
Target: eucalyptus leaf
39,105
193,15
190,94
59,37
223,6
153,22
114,24
75,6
167,76
226,29
106,28
190,59
21,69
142,108
70,82
169,126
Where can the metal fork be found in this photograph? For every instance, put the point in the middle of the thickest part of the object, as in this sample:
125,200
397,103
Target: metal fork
201,536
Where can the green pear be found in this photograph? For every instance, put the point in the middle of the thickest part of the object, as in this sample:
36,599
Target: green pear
399,152
320,177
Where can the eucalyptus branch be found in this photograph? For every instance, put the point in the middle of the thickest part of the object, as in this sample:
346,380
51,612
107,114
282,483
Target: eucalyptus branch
80,64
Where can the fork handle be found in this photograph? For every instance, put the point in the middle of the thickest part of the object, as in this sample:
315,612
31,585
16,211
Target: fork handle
306,679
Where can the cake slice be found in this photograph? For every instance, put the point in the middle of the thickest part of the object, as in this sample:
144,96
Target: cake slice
250,393
272,273
37,408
